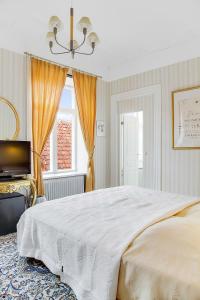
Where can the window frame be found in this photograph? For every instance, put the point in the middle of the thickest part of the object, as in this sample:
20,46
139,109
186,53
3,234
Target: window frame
53,137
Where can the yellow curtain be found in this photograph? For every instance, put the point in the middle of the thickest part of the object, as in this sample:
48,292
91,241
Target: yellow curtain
85,88
47,84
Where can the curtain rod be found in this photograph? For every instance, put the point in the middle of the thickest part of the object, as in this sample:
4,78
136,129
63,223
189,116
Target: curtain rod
61,65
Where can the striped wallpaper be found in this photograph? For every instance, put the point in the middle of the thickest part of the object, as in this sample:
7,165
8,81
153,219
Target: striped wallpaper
180,168
13,85
102,144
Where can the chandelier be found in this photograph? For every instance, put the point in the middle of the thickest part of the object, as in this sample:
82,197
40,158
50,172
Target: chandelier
73,47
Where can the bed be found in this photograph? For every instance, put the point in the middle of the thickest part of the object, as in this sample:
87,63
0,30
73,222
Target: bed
126,242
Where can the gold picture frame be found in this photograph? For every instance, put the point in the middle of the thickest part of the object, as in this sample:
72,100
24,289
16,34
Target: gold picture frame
185,95
17,120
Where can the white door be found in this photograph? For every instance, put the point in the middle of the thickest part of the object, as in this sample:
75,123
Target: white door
131,147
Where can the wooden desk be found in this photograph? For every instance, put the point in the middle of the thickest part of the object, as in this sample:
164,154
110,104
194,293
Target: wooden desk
22,184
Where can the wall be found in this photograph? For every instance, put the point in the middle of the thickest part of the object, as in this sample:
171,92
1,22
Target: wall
13,84
102,144
180,168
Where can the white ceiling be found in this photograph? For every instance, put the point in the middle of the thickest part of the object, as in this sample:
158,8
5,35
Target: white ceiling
136,35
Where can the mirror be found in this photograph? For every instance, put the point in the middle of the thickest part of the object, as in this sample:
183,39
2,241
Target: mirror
9,120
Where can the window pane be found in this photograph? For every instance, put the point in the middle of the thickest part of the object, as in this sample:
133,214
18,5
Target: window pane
64,143
45,157
66,98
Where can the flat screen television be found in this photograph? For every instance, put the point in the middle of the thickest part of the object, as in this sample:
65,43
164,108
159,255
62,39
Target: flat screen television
15,158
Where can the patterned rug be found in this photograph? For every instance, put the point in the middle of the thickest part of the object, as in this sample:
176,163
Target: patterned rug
26,279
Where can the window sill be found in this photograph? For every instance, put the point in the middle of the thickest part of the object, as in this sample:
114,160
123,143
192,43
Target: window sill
62,175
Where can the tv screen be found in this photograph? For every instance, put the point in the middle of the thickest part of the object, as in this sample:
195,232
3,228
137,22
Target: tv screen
15,158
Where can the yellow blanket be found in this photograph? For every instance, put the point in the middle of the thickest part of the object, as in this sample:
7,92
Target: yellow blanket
163,263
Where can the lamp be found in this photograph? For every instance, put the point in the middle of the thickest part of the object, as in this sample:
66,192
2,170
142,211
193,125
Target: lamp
73,47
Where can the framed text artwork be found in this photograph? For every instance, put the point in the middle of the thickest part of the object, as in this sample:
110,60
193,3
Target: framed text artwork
186,118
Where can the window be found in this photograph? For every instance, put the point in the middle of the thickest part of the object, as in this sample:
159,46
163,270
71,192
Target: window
62,149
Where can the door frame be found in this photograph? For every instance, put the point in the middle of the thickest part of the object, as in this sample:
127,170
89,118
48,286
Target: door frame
121,149
155,91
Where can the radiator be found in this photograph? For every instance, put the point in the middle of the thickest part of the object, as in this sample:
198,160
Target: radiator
60,187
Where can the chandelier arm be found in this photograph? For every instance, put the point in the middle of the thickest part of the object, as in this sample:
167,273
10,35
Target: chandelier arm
55,53
82,53
83,42
57,42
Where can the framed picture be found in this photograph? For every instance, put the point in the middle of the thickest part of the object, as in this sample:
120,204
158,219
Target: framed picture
186,118
100,128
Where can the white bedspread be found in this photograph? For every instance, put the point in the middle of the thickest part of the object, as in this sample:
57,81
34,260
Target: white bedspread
82,238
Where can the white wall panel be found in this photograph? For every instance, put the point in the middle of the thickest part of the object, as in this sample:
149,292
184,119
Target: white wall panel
180,168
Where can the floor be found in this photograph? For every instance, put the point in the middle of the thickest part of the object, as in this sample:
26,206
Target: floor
26,279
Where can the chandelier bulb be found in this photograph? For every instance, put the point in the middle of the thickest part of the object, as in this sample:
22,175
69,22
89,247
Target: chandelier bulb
55,22
84,23
72,44
92,39
55,30
50,37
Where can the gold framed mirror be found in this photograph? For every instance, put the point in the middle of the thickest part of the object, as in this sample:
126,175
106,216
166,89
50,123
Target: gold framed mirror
9,120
